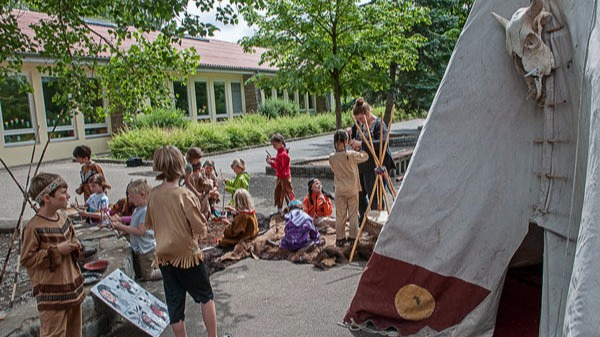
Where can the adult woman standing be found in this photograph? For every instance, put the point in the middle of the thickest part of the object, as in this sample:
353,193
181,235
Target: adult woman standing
373,129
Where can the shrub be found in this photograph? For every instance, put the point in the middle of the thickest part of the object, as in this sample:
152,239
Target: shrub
273,108
251,129
160,117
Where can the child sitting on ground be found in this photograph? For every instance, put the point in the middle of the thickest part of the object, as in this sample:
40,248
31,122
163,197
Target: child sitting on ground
300,232
49,252
344,163
83,155
317,204
245,223
242,179
97,203
141,238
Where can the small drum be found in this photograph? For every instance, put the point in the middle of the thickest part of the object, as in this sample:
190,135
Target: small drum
375,221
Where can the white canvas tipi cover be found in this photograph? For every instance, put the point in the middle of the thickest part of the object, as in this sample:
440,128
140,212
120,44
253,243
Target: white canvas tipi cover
488,163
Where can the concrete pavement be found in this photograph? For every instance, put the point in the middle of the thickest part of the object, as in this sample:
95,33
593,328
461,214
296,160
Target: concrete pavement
253,298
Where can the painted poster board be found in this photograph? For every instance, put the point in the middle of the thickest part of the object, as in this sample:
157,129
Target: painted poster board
133,302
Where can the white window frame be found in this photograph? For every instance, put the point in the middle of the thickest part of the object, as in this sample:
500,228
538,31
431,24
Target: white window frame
60,128
208,100
187,88
26,131
227,107
241,98
94,126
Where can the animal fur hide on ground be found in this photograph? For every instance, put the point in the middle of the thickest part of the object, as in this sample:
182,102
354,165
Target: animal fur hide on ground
325,255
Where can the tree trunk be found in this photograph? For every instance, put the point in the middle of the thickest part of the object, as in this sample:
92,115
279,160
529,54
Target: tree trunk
390,97
337,93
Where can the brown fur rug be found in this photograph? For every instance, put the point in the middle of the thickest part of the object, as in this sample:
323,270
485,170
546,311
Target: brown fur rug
325,255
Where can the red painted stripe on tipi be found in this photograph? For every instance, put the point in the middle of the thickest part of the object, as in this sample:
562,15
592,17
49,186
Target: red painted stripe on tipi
384,276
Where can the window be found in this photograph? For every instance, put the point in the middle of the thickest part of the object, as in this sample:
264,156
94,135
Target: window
311,103
201,89
15,112
65,127
268,93
181,97
302,102
220,98
94,122
236,98
280,94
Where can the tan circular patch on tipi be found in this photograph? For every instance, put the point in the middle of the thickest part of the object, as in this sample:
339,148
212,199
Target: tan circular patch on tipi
414,303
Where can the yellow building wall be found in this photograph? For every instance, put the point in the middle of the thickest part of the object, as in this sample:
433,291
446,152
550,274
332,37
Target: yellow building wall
19,154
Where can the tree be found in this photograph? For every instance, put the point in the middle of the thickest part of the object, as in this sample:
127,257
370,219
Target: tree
311,42
394,46
417,88
130,66
339,46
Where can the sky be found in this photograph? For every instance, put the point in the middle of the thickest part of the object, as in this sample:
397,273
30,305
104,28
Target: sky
231,33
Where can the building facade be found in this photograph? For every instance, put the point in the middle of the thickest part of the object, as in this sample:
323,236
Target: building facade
218,91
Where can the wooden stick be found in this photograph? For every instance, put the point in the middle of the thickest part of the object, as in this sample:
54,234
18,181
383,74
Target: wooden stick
18,226
18,185
60,115
362,225
223,201
381,191
387,204
368,144
381,138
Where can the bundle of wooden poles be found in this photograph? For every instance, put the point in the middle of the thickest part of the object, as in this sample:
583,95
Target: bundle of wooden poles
382,177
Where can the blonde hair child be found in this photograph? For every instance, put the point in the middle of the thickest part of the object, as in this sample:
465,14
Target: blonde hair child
174,214
245,223
141,238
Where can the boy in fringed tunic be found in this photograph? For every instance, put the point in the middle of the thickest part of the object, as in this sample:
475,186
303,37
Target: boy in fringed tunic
49,253
174,214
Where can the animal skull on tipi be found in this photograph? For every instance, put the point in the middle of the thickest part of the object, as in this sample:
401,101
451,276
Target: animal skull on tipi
532,57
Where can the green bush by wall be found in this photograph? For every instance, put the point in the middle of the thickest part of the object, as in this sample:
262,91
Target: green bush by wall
250,129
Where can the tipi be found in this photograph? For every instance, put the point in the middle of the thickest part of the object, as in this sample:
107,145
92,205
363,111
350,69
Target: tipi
489,164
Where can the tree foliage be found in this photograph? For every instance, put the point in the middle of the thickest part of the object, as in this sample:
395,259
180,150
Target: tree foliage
132,64
416,88
335,46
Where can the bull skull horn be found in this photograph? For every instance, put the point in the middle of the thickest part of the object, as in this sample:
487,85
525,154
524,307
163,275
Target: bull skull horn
535,8
501,20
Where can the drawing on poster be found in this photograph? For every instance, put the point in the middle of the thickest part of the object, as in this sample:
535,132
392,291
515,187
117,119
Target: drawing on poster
133,302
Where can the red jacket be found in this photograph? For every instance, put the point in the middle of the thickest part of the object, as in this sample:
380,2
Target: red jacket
321,205
282,164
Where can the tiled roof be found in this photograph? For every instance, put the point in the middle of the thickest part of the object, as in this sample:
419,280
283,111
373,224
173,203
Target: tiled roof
214,54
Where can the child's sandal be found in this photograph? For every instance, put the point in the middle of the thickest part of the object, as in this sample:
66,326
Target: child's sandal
351,241
340,242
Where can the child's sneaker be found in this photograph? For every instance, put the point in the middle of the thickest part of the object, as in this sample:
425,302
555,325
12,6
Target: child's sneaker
340,242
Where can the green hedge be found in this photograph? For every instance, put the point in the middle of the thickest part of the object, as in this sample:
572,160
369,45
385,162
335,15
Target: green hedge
274,108
251,129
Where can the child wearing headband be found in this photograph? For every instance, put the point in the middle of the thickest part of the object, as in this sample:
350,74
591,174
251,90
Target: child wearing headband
49,252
